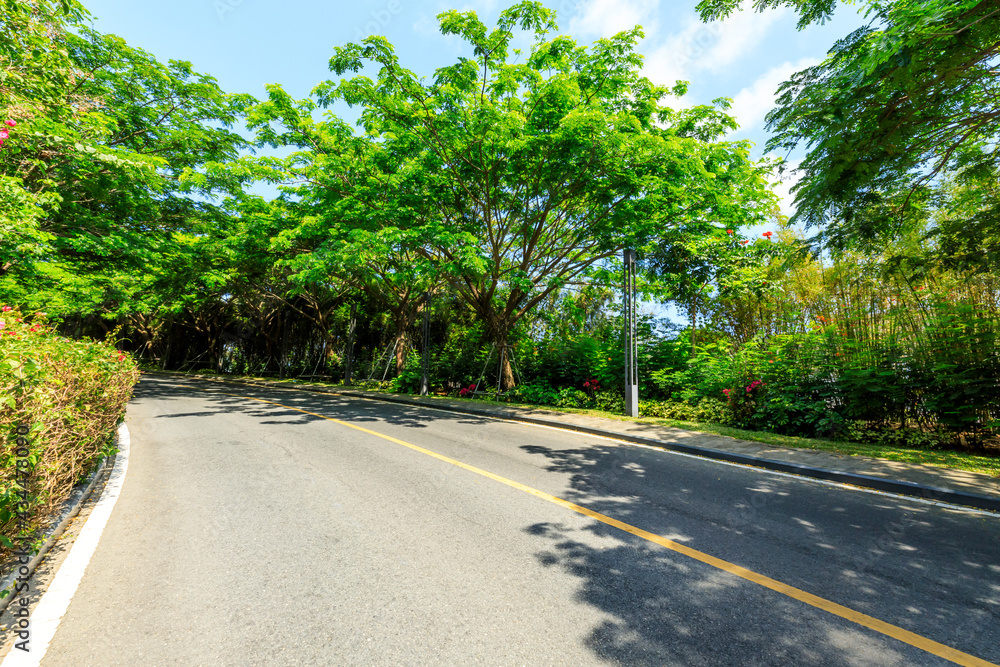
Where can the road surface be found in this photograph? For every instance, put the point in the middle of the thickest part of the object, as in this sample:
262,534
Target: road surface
251,532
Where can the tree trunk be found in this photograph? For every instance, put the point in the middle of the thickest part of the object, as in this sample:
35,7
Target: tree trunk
166,352
401,347
505,355
506,371
404,316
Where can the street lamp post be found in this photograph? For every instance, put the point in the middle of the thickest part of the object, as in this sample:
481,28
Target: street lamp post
426,364
349,352
631,346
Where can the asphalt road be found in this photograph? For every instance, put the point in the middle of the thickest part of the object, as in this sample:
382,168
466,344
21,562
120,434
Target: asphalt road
248,533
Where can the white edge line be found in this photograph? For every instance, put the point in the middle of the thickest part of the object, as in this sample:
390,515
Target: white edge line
44,619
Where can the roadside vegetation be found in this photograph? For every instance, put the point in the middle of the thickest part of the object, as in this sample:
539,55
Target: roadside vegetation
64,398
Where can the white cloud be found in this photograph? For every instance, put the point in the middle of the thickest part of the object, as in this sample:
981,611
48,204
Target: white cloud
711,47
751,104
738,35
784,184
605,18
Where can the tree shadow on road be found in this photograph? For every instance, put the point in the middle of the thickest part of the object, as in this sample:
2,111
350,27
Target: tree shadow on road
665,608
231,399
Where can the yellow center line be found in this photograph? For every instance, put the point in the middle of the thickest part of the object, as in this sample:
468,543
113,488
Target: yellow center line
905,636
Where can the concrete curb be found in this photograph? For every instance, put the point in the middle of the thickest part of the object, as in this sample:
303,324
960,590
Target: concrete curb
909,489
70,508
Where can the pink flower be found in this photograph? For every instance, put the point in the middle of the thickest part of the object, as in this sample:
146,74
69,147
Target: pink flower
463,392
11,123
472,387
586,384
726,391
2,324
7,309
4,134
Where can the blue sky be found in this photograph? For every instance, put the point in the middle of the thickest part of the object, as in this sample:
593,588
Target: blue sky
247,44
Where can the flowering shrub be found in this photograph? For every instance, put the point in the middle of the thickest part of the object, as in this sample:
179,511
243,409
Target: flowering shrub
70,395
4,132
742,404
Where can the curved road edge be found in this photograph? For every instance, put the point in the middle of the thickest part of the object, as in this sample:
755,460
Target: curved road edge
45,617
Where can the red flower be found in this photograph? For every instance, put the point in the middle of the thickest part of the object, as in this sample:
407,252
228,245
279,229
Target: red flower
729,231
121,357
11,123
7,309
463,392
768,235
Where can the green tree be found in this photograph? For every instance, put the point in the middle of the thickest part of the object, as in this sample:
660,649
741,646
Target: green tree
522,172
107,164
896,106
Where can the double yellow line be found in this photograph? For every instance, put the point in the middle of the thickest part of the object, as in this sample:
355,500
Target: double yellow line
847,613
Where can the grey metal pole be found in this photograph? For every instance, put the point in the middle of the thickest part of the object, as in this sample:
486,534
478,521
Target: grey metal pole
425,382
349,353
631,346
284,345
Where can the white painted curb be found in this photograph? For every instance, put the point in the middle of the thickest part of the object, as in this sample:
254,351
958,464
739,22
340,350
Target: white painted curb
52,607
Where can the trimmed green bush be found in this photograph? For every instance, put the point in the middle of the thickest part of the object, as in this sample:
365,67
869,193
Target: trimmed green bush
69,396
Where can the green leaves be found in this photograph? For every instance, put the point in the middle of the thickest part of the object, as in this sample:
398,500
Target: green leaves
897,105
117,155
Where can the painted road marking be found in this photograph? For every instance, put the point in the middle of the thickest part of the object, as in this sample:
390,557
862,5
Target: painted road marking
54,603
870,622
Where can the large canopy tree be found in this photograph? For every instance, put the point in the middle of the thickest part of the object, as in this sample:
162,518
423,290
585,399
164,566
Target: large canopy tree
93,174
518,173
898,107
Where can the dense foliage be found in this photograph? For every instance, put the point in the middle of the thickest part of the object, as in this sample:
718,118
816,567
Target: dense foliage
64,397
